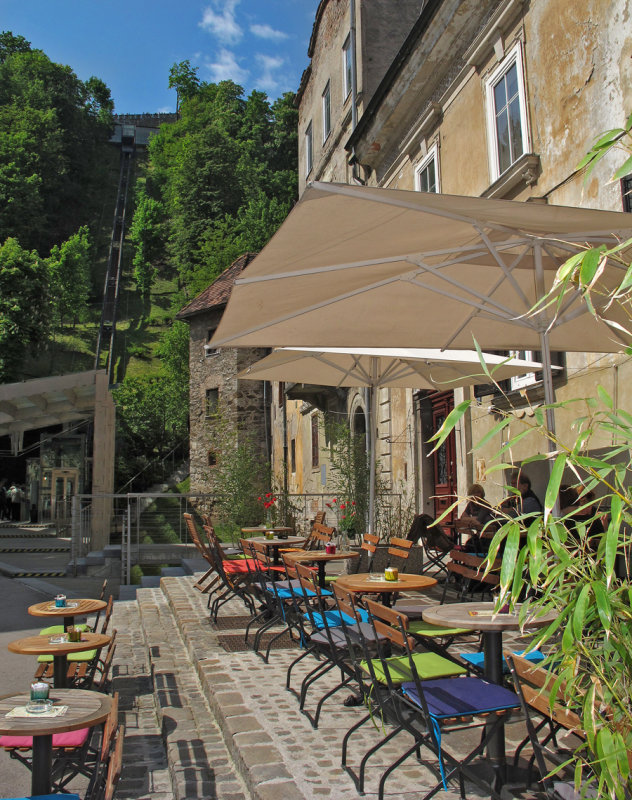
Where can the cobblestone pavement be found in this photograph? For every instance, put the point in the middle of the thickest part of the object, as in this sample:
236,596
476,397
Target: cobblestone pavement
222,725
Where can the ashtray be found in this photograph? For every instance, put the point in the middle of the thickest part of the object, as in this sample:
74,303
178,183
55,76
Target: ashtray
60,638
281,535
38,706
377,578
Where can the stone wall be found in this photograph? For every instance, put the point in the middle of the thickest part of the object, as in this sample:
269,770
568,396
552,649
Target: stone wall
243,401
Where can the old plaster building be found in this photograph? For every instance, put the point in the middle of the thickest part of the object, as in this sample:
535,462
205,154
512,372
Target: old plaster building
213,381
491,98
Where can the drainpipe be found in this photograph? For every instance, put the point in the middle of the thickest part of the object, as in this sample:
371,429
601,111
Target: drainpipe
354,88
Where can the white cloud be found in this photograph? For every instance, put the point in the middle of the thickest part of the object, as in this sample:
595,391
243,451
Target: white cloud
166,110
222,23
267,80
226,68
267,32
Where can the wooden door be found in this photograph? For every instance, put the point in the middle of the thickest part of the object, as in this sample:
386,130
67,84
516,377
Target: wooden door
444,459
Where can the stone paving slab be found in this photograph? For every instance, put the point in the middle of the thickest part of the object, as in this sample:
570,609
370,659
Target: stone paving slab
274,746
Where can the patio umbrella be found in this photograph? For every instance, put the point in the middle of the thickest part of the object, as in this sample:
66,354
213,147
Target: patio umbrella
378,368
357,266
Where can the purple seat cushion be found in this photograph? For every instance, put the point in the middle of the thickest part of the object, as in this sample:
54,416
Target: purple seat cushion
454,697
69,739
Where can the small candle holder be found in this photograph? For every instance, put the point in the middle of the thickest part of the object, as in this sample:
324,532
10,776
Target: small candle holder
269,534
391,574
330,548
39,690
60,601
74,634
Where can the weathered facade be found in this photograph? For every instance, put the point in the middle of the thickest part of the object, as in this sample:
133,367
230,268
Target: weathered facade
213,380
492,98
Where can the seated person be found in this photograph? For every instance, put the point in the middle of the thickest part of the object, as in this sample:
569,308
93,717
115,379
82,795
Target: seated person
581,511
422,528
526,502
477,512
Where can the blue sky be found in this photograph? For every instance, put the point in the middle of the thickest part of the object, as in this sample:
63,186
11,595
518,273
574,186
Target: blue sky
131,44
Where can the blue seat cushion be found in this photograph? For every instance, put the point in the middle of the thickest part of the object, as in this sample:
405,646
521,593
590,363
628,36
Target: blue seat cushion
461,697
47,797
284,594
335,618
477,660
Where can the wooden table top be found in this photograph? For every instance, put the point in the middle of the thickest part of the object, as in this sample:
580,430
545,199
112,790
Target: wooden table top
76,607
41,645
85,709
375,582
264,528
310,556
277,542
479,617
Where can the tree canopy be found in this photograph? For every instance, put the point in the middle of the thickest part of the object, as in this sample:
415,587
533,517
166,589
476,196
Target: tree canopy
225,174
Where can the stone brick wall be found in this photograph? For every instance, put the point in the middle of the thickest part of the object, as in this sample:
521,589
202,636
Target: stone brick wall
244,401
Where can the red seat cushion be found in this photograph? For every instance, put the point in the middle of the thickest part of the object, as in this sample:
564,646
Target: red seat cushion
69,739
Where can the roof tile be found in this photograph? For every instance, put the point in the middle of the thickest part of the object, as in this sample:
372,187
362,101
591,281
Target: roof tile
218,293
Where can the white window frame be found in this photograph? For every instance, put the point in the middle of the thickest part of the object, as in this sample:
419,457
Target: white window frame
513,56
327,112
528,379
309,148
431,155
347,72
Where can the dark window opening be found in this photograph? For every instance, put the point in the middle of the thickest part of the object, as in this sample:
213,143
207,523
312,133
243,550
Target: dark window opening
315,461
293,455
212,401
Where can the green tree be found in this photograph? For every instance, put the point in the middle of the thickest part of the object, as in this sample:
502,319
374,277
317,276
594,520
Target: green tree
69,276
53,131
145,234
184,79
24,308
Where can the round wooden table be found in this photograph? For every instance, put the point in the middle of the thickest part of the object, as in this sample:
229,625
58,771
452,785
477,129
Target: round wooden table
321,558
276,543
374,583
85,709
264,528
480,617
76,607
42,645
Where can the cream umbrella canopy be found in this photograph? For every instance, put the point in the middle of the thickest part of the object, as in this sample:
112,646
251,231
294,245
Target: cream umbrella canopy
357,266
377,368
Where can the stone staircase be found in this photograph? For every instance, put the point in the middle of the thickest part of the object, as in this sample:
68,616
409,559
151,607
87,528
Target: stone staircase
209,720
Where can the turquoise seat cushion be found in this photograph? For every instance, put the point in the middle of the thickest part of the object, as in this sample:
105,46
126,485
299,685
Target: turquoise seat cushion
334,618
47,797
477,660
428,665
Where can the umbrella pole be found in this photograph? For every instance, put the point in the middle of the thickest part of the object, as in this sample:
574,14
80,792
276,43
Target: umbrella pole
372,425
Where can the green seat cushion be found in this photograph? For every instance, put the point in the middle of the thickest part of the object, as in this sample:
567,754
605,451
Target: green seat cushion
421,628
428,666
60,629
331,578
84,655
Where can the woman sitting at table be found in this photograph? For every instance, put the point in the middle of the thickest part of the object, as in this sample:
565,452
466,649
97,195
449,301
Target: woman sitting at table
475,517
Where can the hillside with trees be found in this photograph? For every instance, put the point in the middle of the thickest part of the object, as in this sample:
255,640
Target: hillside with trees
54,130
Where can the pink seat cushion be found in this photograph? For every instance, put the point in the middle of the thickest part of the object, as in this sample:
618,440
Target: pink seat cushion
69,739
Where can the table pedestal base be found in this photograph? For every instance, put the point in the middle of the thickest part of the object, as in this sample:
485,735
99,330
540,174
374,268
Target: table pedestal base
42,764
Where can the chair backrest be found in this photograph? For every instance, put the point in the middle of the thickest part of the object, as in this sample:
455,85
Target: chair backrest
471,567
110,728
103,588
395,555
320,535
195,536
108,614
319,519
533,686
105,666
213,538
115,767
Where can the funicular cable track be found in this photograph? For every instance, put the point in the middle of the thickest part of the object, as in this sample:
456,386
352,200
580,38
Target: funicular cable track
107,327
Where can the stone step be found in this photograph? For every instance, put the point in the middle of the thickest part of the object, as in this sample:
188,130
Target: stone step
199,762
145,767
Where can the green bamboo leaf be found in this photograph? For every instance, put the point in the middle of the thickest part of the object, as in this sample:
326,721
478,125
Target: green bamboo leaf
623,170
590,264
481,358
491,433
568,267
579,612
604,396
448,426
518,579
612,537
553,488
509,557
538,416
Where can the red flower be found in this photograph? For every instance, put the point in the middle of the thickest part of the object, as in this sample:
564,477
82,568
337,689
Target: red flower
335,501
353,502
259,499
342,506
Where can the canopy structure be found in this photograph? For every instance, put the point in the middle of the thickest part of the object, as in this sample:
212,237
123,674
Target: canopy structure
378,368
356,266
